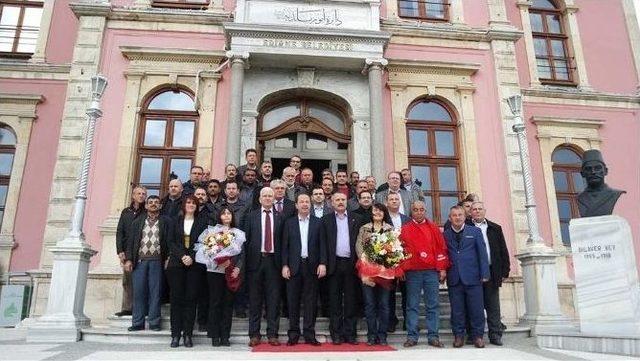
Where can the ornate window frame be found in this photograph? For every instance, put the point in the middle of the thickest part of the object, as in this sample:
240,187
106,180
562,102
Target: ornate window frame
18,112
570,23
449,82
552,133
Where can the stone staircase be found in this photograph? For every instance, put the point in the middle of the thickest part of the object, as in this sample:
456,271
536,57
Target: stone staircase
115,330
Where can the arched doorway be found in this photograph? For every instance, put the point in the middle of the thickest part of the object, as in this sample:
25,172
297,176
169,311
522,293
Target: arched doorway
317,131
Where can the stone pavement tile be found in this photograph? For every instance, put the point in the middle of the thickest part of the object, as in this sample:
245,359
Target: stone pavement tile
593,356
27,352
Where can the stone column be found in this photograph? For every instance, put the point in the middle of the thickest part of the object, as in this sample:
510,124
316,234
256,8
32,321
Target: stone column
375,67
234,125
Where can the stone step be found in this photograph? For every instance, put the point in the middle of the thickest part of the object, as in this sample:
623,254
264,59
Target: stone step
107,334
241,325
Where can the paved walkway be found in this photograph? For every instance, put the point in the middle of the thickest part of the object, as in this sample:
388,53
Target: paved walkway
14,347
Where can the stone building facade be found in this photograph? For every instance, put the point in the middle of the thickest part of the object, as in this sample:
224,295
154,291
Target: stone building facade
362,85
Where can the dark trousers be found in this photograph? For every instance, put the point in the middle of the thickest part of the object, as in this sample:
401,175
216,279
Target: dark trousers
147,287
127,291
323,297
265,288
203,296
241,299
220,306
184,284
342,295
303,285
492,306
401,286
376,310
466,301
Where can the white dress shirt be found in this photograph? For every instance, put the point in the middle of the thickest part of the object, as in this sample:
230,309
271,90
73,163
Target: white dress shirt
303,223
483,227
318,211
396,220
262,218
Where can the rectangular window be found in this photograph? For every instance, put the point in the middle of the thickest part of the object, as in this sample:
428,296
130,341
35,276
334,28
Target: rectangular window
19,27
432,10
181,4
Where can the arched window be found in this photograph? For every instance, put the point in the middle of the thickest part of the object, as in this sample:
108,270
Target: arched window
568,183
166,140
434,156
7,152
550,42
432,10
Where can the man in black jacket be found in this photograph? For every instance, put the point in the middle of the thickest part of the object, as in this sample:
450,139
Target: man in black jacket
499,267
304,260
262,264
172,203
338,232
147,250
127,216
195,180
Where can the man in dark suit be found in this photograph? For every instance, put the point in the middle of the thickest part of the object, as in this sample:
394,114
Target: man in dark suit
282,204
394,180
498,267
304,260
262,264
147,251
469,270
319,204
339,232
397,221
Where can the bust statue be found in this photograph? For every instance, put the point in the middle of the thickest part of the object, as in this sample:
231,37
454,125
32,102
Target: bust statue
598,199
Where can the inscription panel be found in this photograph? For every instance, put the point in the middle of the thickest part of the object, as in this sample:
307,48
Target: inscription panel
326,14
608,293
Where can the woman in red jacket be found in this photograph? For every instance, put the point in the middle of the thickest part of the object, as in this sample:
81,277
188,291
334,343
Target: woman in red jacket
424,270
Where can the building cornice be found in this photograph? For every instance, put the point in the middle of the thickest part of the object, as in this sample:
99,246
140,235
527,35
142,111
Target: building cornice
432,67
291,32
449,32
21,105
91,8
39,71
137,53
542,121
180,16
574,96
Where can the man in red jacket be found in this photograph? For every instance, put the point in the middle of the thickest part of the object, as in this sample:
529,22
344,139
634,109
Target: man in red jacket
424,270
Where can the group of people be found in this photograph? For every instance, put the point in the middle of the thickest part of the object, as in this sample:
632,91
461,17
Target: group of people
300,242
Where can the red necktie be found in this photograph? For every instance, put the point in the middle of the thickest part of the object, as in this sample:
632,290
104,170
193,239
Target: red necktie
268,241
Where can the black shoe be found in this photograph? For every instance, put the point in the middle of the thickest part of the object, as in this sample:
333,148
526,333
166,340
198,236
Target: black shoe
241,314
371,342
175,342
215,342
225,342
337,341
292,341
353,341
123,313
188,342
383,343
391,328
312,342
155,328
202,328
135,328
496,341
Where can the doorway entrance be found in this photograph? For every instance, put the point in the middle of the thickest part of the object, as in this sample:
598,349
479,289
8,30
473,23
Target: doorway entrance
318,132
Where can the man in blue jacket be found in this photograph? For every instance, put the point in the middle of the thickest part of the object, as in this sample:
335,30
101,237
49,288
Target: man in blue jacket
469,269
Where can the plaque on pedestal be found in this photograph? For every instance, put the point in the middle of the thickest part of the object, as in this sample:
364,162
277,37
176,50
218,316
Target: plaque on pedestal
608,292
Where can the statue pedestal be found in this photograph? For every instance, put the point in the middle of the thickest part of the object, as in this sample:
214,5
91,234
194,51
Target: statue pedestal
608,292
607,288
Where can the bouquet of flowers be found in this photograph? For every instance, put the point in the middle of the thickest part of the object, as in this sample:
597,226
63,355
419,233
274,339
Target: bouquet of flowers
381,256
217,245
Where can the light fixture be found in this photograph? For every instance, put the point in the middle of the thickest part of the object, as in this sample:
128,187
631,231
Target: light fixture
515,104
98,85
